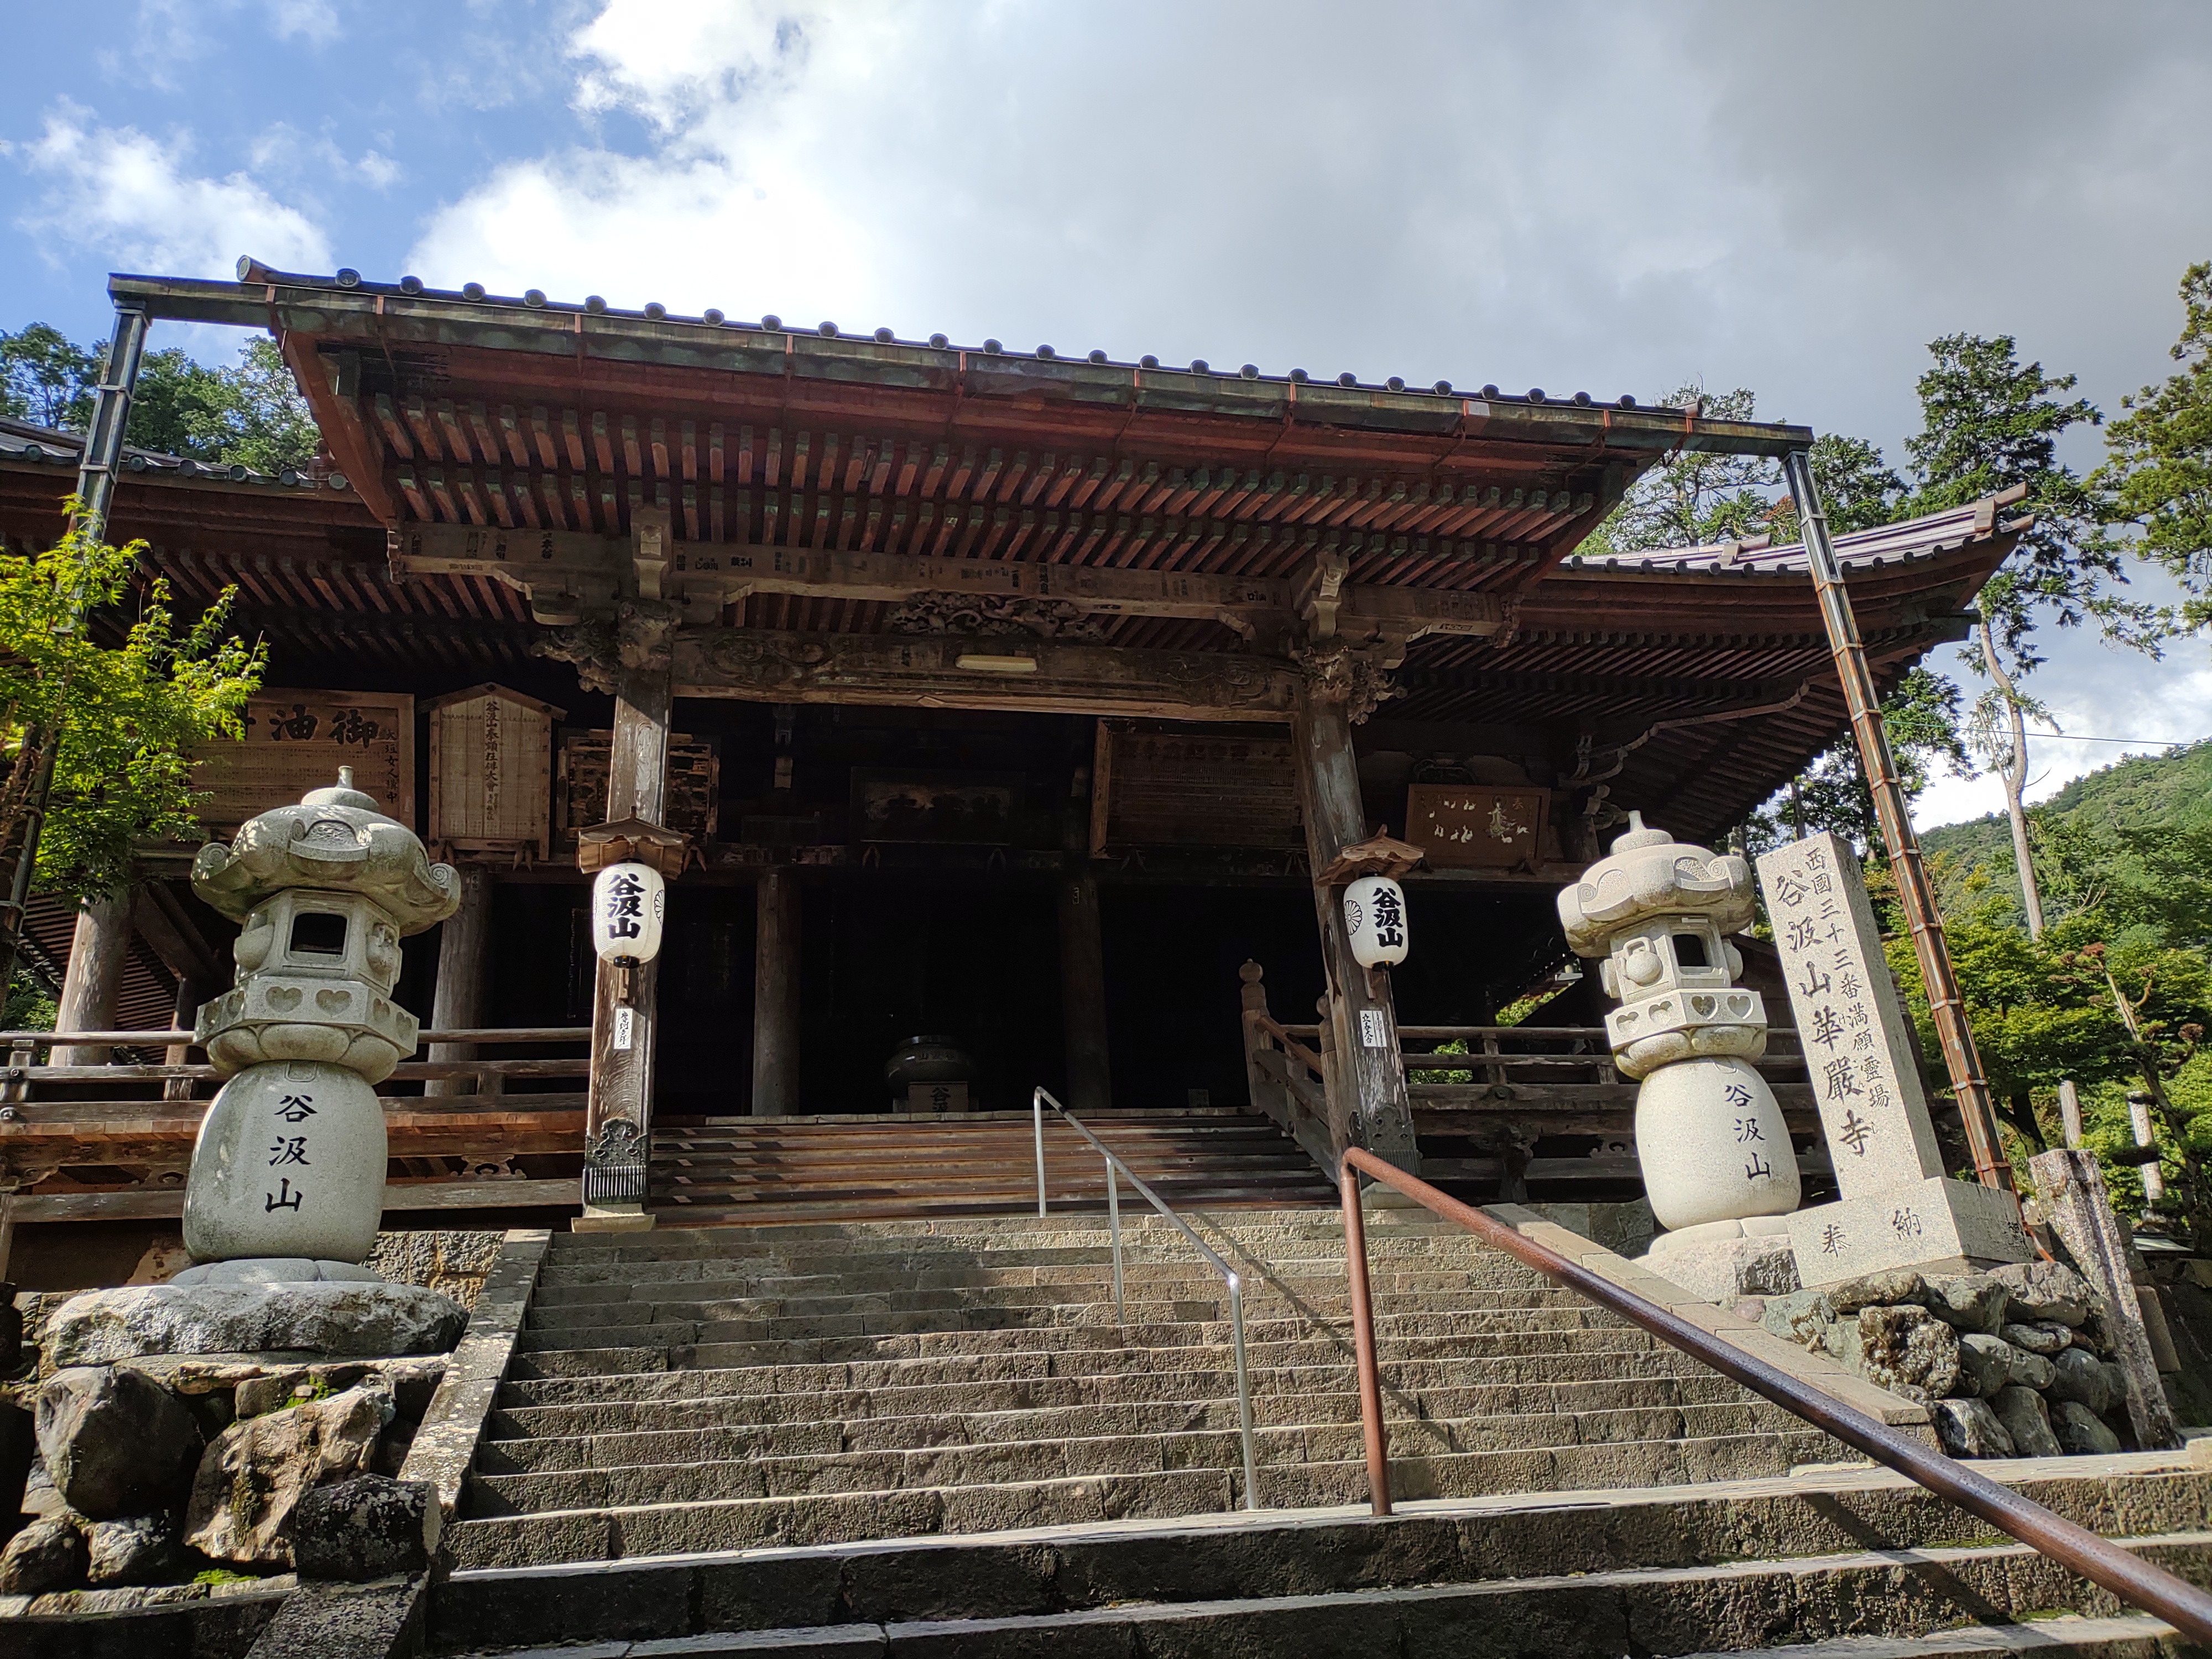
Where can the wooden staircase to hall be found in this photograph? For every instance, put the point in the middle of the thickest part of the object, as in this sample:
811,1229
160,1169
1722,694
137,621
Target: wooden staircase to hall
720,1171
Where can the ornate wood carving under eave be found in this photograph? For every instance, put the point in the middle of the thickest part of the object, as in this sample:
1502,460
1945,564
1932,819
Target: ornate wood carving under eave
980,615
634,636
761,666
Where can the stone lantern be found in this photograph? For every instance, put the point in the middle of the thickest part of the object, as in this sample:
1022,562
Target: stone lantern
1715,1153
286,1179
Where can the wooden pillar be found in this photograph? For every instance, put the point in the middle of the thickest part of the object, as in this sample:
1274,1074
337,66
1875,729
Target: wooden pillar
98,953
190,992
775,993
1083,994
1367,1079
619,1109
464,965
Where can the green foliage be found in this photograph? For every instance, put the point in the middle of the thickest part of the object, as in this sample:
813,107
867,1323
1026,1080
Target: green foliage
46,378
2157,476
1693,499
1457,1046
2135,838
1987,422
250,413
28,1006
1859,489
129,714
1922,718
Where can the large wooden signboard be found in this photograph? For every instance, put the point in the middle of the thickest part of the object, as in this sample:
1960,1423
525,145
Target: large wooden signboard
491,772
694,784
1192,789
296,740
1477,826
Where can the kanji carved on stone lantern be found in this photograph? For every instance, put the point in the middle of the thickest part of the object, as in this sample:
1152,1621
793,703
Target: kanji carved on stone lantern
1715,1151
287,1177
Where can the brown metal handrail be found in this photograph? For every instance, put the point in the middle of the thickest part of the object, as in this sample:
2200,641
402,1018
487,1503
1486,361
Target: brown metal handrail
2134,1580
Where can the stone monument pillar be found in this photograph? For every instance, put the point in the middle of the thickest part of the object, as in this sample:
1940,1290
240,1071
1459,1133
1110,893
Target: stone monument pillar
287,1180
1899,1209
1718,1166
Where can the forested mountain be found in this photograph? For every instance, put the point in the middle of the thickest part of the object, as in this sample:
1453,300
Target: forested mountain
1972,862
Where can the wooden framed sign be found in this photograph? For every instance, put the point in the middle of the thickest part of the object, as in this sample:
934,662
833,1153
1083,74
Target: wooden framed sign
979,809
296,740
1192,789
1474,826
491,772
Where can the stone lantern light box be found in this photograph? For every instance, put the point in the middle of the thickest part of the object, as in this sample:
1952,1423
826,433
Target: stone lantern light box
1716,1152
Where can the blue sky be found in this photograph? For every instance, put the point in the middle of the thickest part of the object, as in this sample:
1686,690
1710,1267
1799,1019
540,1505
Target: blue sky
1603,196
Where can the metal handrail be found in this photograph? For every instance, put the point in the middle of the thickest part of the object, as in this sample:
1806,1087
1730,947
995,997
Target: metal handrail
1230,1276
2098,1559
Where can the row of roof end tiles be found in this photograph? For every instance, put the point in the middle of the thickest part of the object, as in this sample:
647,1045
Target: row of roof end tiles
534,299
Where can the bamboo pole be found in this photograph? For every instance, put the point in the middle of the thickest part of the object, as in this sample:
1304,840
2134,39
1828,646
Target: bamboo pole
1915,895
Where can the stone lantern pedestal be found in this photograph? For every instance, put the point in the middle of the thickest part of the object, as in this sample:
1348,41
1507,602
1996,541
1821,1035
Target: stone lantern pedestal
1718,1166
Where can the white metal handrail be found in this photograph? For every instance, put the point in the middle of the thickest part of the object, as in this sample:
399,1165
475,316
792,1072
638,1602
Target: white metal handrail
1115,1168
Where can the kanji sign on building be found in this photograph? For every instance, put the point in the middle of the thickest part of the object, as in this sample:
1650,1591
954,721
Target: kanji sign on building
1897,1207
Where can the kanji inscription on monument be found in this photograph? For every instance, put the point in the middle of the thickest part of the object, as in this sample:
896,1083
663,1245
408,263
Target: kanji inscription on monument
1858,1050
1897,1207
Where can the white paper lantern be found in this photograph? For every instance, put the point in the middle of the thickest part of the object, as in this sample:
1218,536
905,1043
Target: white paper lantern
1375,916
629,902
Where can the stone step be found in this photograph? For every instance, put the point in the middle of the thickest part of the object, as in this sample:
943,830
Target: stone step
532,1361
654,1324
990,1324
1817,1555
1324,1430
1091,1279
1210,1391
705,1301
798,1241
687,1508
1168,1370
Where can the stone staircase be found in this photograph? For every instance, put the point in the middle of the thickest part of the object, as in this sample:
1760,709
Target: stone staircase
724,1389
923,1437
721,1171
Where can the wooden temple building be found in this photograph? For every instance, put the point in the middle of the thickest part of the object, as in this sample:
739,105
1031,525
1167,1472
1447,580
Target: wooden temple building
1020,700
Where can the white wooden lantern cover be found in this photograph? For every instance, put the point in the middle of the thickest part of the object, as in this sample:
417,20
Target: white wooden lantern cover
1375,916
630,903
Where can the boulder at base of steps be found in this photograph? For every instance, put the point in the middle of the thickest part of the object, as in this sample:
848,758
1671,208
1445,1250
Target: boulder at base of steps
723,1171
1824,1564
698,1389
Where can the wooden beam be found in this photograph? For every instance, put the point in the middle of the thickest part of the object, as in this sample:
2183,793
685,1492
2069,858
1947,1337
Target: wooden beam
100,949
464,969
587,568
935,671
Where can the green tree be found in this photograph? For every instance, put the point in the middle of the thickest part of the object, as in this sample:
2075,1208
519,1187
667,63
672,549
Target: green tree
46,378
2157,475
1988,421
1859,489
1921,715
1694,498
250,413
121,720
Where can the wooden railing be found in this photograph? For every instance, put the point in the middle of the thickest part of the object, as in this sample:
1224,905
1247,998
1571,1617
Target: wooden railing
1286,1073
73,1130
1500,1089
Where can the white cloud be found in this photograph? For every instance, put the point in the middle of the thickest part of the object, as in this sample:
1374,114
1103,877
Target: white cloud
315,22
127,197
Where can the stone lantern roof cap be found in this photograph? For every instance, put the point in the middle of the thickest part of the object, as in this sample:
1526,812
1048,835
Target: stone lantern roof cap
336,839
1649,873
